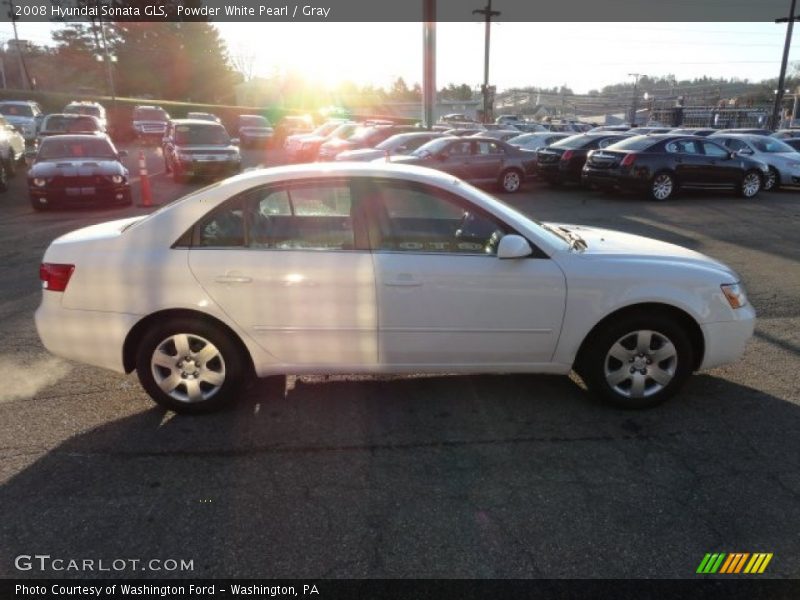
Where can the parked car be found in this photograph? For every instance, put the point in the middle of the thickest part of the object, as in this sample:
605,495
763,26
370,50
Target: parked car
291,125
196,148
465,132
92,109
529,127
149,123
305,147
362,137
452,118
63,123
603,128
204,116
401,143
75,170
783,160
24,115
477,160
646,130
273,272
700,131
293,143
752,131
534,141
563,160
786,134
498,134
509,119
12,151
254,130
660,165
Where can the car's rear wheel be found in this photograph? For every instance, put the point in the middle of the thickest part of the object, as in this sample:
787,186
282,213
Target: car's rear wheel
751,184
638,361
510,180
662,187
190,366
772,181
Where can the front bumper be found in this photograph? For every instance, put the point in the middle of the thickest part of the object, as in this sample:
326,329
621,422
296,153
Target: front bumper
80,196
725,341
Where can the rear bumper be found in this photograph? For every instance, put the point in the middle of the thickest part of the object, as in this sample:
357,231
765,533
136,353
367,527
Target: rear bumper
725,342
91,337
612,178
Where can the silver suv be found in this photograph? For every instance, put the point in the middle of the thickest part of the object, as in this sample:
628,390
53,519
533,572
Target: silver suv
25,115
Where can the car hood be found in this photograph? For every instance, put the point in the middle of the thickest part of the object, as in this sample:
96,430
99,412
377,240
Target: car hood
610,244
76,168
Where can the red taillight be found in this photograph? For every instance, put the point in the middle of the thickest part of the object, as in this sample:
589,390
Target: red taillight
567,155
55,277
628,160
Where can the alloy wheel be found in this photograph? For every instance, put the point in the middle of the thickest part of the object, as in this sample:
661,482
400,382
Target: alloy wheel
511,181
188,368
640,363
662,186
751,184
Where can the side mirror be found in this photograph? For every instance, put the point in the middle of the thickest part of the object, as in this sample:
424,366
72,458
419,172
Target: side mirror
514,246
234,141
122,153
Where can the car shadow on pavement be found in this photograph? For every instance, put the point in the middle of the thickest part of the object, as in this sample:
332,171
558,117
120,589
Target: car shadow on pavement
478,476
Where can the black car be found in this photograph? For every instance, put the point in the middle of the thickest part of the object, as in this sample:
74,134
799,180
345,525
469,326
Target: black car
474,159
700,131
254,130
199,148
661,164
75,170
563,161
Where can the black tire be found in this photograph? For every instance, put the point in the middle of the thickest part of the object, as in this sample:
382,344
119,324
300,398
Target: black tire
773,181
662,186
599,368
11,165
751,184
228,361
510,180
3,176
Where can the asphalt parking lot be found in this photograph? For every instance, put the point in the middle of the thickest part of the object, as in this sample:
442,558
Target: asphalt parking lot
492,476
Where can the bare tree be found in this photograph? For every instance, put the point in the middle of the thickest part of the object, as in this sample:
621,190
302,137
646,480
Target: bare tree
243,60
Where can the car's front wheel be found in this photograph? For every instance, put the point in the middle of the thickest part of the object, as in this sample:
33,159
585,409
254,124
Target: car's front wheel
190,366
751,185
510,180
638,361
772,181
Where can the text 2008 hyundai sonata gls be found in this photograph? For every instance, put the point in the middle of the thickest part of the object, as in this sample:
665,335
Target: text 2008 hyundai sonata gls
380,268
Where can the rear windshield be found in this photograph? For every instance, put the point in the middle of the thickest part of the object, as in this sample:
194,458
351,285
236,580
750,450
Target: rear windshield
83,109
639,142
59,147
70,124
16,110
150,114
573,142
253,121
200,134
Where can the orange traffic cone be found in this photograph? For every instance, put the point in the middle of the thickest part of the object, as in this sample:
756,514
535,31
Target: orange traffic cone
144,181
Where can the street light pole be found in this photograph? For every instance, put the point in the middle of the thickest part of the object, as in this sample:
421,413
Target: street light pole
634,99
488,13
776,109
428,62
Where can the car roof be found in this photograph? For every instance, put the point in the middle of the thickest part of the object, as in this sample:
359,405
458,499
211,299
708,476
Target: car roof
76,137
202,122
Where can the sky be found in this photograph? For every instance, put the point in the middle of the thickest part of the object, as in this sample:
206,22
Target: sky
583,56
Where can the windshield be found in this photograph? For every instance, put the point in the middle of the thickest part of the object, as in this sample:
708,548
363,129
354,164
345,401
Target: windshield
70,124
60,147
253,121
199,134
772,146
16,110
432,147
150,114
81,109
343,131
639,142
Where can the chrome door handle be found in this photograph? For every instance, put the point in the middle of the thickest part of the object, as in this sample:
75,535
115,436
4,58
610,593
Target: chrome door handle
232,279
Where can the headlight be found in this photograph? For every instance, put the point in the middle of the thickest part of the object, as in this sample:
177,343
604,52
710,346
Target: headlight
734,294
39,182
117,179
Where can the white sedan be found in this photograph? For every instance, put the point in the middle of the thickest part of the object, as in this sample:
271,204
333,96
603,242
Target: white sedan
378,268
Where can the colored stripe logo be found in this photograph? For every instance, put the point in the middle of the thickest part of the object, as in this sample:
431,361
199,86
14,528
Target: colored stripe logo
734,563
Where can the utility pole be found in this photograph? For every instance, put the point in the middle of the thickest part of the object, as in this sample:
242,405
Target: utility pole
634,99
109,68
428,62
776,109
488,13
23,72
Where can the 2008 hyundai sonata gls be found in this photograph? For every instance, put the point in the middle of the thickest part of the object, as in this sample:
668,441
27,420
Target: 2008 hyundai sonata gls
380,268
